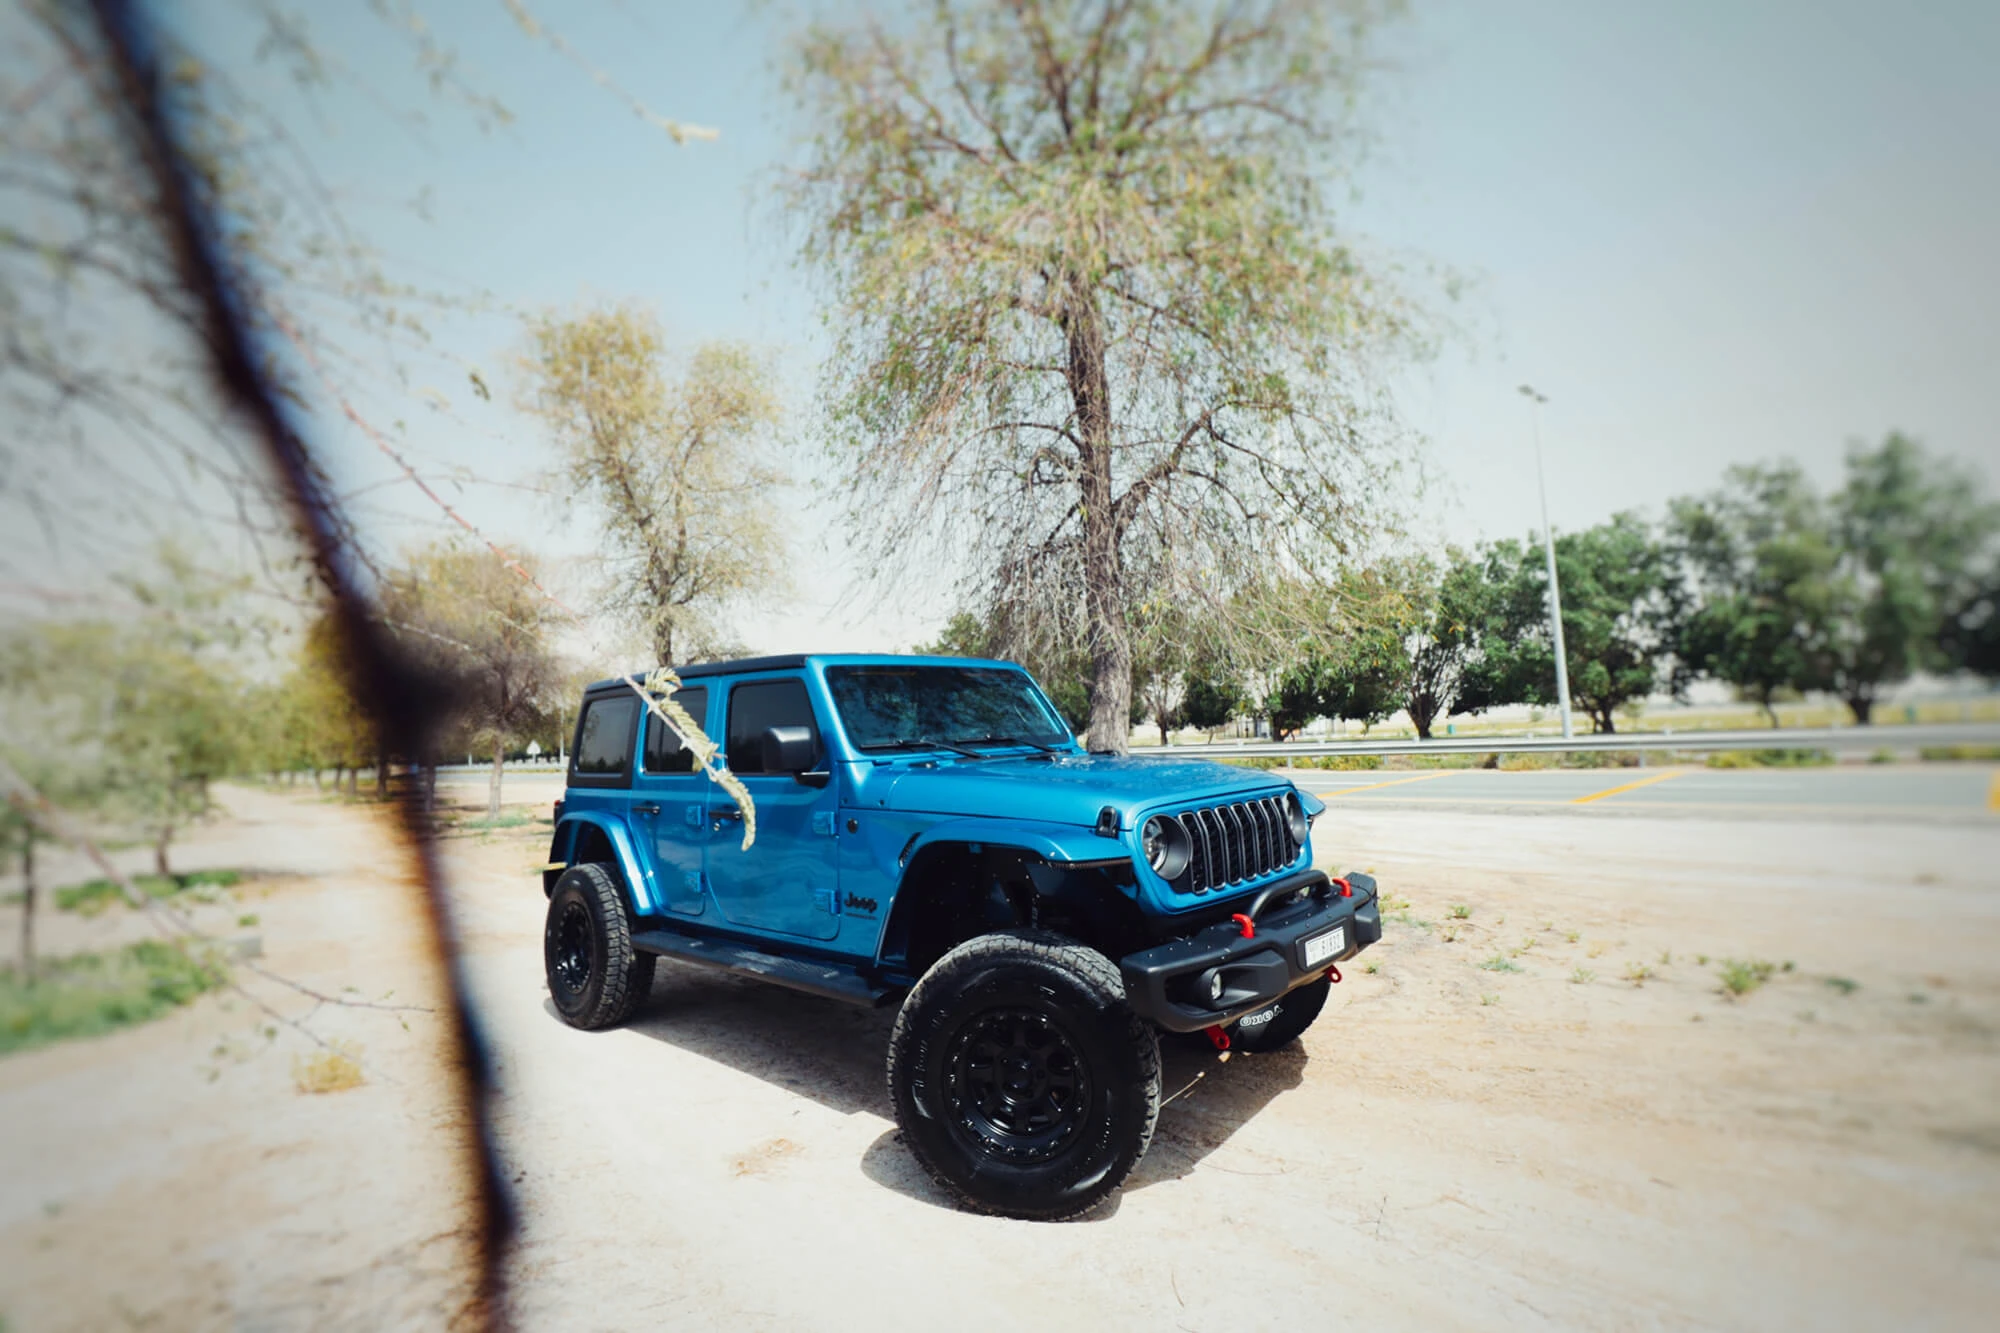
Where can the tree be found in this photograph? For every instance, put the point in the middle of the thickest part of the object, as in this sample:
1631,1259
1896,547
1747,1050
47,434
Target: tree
1453,614
481,627
1910,527
673,466
1090,316
1619,591
1209,698
1970,634
1764,590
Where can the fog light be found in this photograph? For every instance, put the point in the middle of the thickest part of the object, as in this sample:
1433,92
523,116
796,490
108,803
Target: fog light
1215,987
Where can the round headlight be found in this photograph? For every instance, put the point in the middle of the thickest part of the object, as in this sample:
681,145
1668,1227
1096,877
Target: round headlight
1296,818
1166,846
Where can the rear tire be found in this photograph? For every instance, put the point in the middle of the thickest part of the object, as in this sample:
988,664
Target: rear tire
596,978
1023,1082
1282,1022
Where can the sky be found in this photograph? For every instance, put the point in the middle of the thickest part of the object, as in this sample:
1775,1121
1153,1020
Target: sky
1711,233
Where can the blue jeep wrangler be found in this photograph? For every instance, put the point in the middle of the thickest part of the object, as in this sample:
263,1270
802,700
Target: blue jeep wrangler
928,831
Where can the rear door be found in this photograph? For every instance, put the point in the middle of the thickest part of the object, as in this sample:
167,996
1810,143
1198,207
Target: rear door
785,883
670,807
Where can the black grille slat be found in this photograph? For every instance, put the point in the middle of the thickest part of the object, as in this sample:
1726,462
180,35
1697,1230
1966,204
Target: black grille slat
1236,843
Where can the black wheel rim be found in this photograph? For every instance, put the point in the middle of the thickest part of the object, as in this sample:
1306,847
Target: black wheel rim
571,945
1019,1090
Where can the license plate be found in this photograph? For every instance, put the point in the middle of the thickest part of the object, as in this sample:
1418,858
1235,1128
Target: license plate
1322,947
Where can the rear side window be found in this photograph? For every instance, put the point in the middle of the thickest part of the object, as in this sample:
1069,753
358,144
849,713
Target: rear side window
604,736
664,751
760,705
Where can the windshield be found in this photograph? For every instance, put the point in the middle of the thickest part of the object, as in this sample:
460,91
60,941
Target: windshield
884,707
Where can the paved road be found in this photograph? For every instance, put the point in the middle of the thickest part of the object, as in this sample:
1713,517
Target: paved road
1936,791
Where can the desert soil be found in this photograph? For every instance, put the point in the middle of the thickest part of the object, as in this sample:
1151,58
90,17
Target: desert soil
1599,1139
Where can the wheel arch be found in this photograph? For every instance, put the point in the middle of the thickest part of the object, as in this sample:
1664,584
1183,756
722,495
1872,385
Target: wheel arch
971,877
589,836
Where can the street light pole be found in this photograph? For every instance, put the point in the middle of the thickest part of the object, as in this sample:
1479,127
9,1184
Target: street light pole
1535,401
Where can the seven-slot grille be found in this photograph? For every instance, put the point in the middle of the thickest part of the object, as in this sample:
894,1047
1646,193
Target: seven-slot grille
1236,843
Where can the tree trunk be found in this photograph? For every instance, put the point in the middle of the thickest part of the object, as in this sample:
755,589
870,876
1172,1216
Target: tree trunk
30,891
382,771
319,779
1769,711
430,784
1162,718
1423,712
1103,568
1862,706
663,643
160,866
493,791
354,783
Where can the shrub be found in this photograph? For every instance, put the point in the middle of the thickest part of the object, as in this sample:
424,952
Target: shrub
1741,976
1984,754
335,1067
89,994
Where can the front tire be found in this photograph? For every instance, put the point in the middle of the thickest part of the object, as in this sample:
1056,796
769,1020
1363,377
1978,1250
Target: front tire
1281,1022
1023,1082
596,978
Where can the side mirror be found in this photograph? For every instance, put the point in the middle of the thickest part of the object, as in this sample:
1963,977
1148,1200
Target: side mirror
788,749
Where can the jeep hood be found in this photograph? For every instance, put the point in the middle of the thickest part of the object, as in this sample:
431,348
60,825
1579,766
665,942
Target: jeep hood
1068,790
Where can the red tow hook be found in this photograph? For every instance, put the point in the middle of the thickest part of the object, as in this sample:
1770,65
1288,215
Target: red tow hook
1333,975
1246,925
1346,889
1218,1036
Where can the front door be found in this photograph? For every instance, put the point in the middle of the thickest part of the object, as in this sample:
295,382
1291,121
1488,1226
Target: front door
786,882
670,807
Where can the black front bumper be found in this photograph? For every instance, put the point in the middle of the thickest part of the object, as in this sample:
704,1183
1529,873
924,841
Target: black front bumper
1168,984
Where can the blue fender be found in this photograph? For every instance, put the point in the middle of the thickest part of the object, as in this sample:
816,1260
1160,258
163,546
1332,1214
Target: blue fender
1064,844
639,884
1315,807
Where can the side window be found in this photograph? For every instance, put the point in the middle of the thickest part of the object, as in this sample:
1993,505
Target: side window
664,751
755,707
604,736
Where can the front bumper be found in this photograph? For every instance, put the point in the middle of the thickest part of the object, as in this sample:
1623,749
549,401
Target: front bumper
1169,984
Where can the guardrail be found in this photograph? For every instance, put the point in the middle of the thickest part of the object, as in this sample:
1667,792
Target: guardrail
1914,736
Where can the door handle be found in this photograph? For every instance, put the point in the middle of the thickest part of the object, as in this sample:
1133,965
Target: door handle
646,808
723,813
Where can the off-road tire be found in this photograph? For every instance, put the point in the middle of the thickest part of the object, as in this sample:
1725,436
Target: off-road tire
614,977
1057,1007
1290,1015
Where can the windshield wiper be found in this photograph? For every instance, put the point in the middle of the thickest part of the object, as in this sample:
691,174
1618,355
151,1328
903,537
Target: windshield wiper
927,743
1008,740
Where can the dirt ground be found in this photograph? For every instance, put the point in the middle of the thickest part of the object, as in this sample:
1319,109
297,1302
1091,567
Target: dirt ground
1599,1139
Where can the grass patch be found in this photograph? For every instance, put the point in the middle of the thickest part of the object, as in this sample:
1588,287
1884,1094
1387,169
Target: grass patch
1460,911
1984,754
1371,968
1406,919
1500,962
505,819
1583,976
334,1068
1638,973
94,993
93,896
1489,999
1740,976
1770,759
1572,935
1845,985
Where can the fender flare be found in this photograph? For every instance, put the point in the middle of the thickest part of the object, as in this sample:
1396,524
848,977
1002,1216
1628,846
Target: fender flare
1058,844
638,884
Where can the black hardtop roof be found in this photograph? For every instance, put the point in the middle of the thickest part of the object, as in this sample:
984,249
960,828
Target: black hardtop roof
782,661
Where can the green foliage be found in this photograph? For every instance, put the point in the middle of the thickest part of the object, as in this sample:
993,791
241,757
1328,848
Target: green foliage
1209,698
1500,962
1770,759
671,456
1910,527
1618,589
1741,976
89,994
1091,317
93,896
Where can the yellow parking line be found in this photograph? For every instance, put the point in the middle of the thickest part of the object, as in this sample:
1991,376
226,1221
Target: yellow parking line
1993,793
1371,786
1631,786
